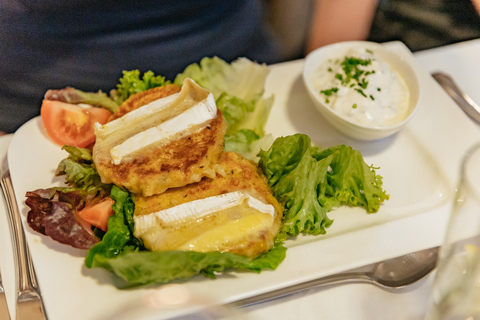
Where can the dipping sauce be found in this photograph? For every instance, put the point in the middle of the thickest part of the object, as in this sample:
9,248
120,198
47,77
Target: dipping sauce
363,89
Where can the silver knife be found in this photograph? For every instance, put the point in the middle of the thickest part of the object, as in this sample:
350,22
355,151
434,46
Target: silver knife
461,98
29,301
4,313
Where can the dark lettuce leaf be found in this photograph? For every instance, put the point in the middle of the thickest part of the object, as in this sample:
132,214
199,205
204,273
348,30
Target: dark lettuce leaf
53,210
124,255
52,213
309,182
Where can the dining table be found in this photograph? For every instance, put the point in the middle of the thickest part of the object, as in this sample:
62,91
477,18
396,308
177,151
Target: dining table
439,124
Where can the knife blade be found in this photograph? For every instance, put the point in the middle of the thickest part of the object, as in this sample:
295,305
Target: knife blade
29,301
464,101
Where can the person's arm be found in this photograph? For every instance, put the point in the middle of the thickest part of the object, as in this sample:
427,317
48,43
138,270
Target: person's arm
340,20
476,4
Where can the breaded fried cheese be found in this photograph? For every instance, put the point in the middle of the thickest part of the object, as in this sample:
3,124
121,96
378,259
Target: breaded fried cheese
168,143
143,98
234,212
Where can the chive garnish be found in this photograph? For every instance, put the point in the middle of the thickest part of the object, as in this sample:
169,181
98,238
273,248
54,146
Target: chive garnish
329,92
361,92
353,75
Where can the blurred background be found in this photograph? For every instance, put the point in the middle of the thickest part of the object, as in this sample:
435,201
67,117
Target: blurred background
86,44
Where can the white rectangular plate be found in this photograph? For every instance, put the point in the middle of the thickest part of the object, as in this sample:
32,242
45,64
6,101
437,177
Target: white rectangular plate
419,166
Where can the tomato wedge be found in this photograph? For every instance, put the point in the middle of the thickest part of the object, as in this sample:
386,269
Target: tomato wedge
70,124
98,214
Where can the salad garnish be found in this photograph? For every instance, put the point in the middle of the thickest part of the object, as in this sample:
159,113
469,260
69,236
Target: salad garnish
307,180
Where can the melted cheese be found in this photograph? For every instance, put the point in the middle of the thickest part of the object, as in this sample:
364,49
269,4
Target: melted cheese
210,224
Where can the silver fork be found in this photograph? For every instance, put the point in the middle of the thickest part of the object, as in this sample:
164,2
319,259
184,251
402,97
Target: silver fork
29,301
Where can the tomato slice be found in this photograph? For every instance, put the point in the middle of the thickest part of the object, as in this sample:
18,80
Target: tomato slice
98,214
70,124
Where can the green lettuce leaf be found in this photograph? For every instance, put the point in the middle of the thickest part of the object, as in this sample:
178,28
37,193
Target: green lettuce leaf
131,83
238,89
309,182
80,172
119,237
247,143
153,267
352,182
124,255
242,78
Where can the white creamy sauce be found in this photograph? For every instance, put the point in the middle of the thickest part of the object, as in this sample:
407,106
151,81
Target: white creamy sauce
377,96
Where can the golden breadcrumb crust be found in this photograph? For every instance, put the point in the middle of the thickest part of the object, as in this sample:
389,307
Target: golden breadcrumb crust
235,173
175,164
161,166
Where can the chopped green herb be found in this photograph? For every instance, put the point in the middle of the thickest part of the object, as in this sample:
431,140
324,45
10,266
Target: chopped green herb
354,106
327,101
353,75
369,51
371,97
329,92
350,67
379,89
363,83
361,92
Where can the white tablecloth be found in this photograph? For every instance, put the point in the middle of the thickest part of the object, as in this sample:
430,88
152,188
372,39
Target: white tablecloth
352,301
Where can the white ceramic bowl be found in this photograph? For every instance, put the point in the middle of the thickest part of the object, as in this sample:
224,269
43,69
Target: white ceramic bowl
358,131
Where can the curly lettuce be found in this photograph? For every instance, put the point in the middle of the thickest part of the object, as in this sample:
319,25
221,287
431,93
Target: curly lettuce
80,172
309,182
131,83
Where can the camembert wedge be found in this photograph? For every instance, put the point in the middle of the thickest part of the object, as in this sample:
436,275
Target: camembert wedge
167,143
234,212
